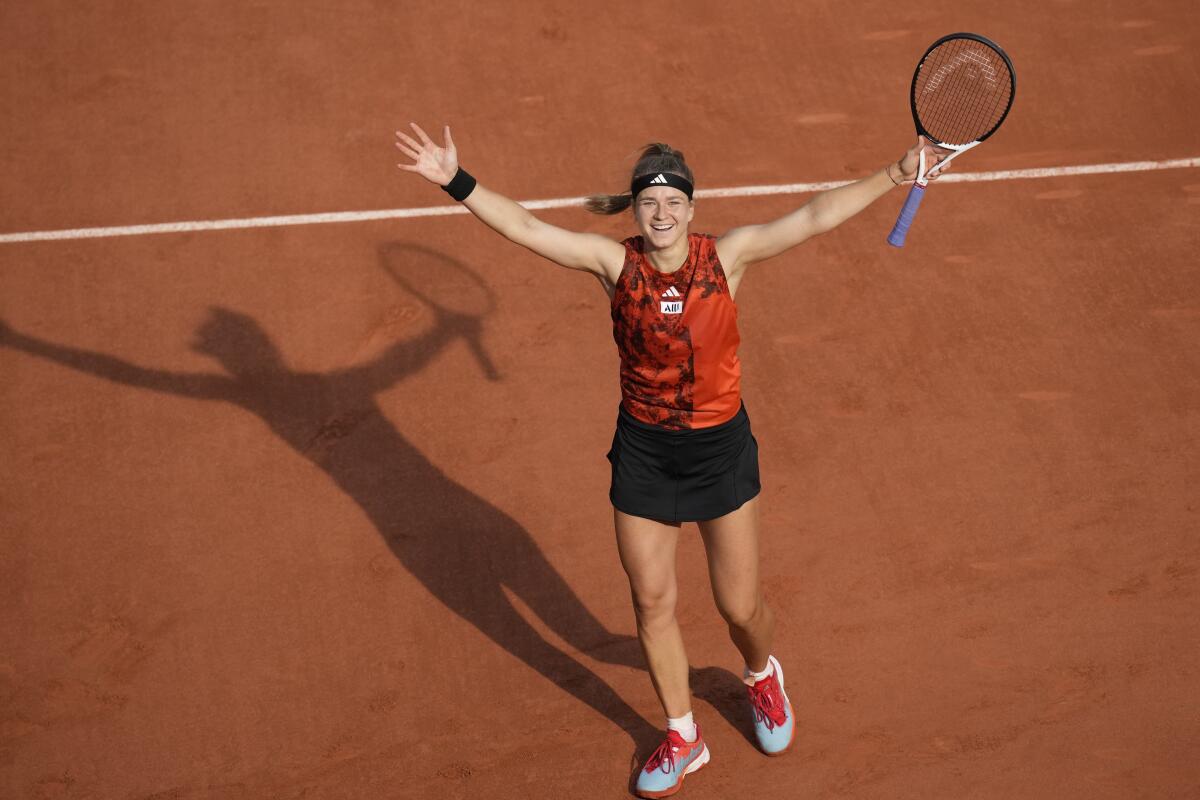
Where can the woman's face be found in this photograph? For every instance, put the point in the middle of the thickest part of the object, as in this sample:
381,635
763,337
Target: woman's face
662,214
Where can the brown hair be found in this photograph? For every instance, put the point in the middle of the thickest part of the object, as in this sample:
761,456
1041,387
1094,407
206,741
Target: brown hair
655,157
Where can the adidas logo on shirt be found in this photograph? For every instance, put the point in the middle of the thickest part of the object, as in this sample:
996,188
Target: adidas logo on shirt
672,306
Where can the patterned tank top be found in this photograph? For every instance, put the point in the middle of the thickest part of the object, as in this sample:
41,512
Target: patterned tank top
677,336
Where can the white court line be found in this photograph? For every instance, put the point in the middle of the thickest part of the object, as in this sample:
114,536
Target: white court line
562,202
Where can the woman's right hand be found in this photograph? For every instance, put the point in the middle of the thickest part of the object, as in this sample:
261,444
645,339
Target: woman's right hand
434,163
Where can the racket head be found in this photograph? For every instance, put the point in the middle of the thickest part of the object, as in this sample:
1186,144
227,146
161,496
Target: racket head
962,89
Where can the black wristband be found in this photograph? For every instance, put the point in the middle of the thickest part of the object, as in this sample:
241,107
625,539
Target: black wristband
460,186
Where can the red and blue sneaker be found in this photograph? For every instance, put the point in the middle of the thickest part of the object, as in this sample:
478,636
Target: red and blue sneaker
774,723
675,758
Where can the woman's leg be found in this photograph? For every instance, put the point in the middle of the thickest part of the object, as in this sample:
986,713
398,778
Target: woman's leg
731,543
647,550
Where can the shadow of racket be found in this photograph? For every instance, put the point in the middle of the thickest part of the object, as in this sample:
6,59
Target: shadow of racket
467,298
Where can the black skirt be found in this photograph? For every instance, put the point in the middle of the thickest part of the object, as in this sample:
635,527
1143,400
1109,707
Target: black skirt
686,475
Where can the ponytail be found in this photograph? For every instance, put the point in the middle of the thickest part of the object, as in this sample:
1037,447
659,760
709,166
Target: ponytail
608,203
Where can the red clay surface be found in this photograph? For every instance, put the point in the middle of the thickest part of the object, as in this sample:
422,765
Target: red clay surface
274,525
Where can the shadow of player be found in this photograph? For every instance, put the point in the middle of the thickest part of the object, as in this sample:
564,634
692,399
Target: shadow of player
464,550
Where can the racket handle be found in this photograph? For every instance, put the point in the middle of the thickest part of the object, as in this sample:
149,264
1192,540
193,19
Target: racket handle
911,204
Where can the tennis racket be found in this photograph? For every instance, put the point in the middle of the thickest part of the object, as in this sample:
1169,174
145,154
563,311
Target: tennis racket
961,92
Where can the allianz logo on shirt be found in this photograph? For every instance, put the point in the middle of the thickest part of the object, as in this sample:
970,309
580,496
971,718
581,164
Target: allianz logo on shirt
673,305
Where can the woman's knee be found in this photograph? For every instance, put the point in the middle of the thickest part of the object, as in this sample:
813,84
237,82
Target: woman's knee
654,606
744,612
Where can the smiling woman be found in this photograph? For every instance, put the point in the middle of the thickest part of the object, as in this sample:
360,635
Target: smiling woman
683,450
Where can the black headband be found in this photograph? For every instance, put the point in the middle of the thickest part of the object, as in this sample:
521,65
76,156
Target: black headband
643,182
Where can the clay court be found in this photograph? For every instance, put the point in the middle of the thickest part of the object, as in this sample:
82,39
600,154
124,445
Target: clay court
319,510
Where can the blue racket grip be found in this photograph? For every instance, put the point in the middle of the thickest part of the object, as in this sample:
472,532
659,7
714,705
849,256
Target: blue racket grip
911,204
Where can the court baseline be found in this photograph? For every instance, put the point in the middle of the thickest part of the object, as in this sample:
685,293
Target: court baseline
562,202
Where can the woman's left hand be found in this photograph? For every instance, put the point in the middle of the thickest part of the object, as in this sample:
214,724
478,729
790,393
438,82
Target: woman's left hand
433,162
910,161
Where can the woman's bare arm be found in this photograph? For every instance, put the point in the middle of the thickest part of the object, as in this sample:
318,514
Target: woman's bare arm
582,251
741,247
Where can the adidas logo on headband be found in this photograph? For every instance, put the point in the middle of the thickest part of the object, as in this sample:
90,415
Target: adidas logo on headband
643,182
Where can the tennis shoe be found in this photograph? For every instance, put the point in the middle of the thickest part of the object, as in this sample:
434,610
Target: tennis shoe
774,722
674,759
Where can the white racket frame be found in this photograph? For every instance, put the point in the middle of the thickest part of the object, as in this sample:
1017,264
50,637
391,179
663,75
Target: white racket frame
959,149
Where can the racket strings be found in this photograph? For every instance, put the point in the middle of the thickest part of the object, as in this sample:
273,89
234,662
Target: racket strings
962,91
966,96
960,80
966,90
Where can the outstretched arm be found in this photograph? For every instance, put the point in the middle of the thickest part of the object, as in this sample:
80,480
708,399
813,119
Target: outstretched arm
741,247
200,386
583,251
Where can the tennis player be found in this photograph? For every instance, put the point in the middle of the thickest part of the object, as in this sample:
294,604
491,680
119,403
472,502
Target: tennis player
683,450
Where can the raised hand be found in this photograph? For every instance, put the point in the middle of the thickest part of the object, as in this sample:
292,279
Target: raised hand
432,162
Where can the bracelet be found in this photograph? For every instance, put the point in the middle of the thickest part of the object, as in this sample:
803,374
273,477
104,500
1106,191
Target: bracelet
888,170
460,186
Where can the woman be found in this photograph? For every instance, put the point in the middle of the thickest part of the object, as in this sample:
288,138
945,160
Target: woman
683,450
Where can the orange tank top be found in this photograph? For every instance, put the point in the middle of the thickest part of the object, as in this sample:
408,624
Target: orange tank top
677,337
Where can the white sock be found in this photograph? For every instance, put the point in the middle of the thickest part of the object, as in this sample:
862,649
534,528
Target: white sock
684,726
755,677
